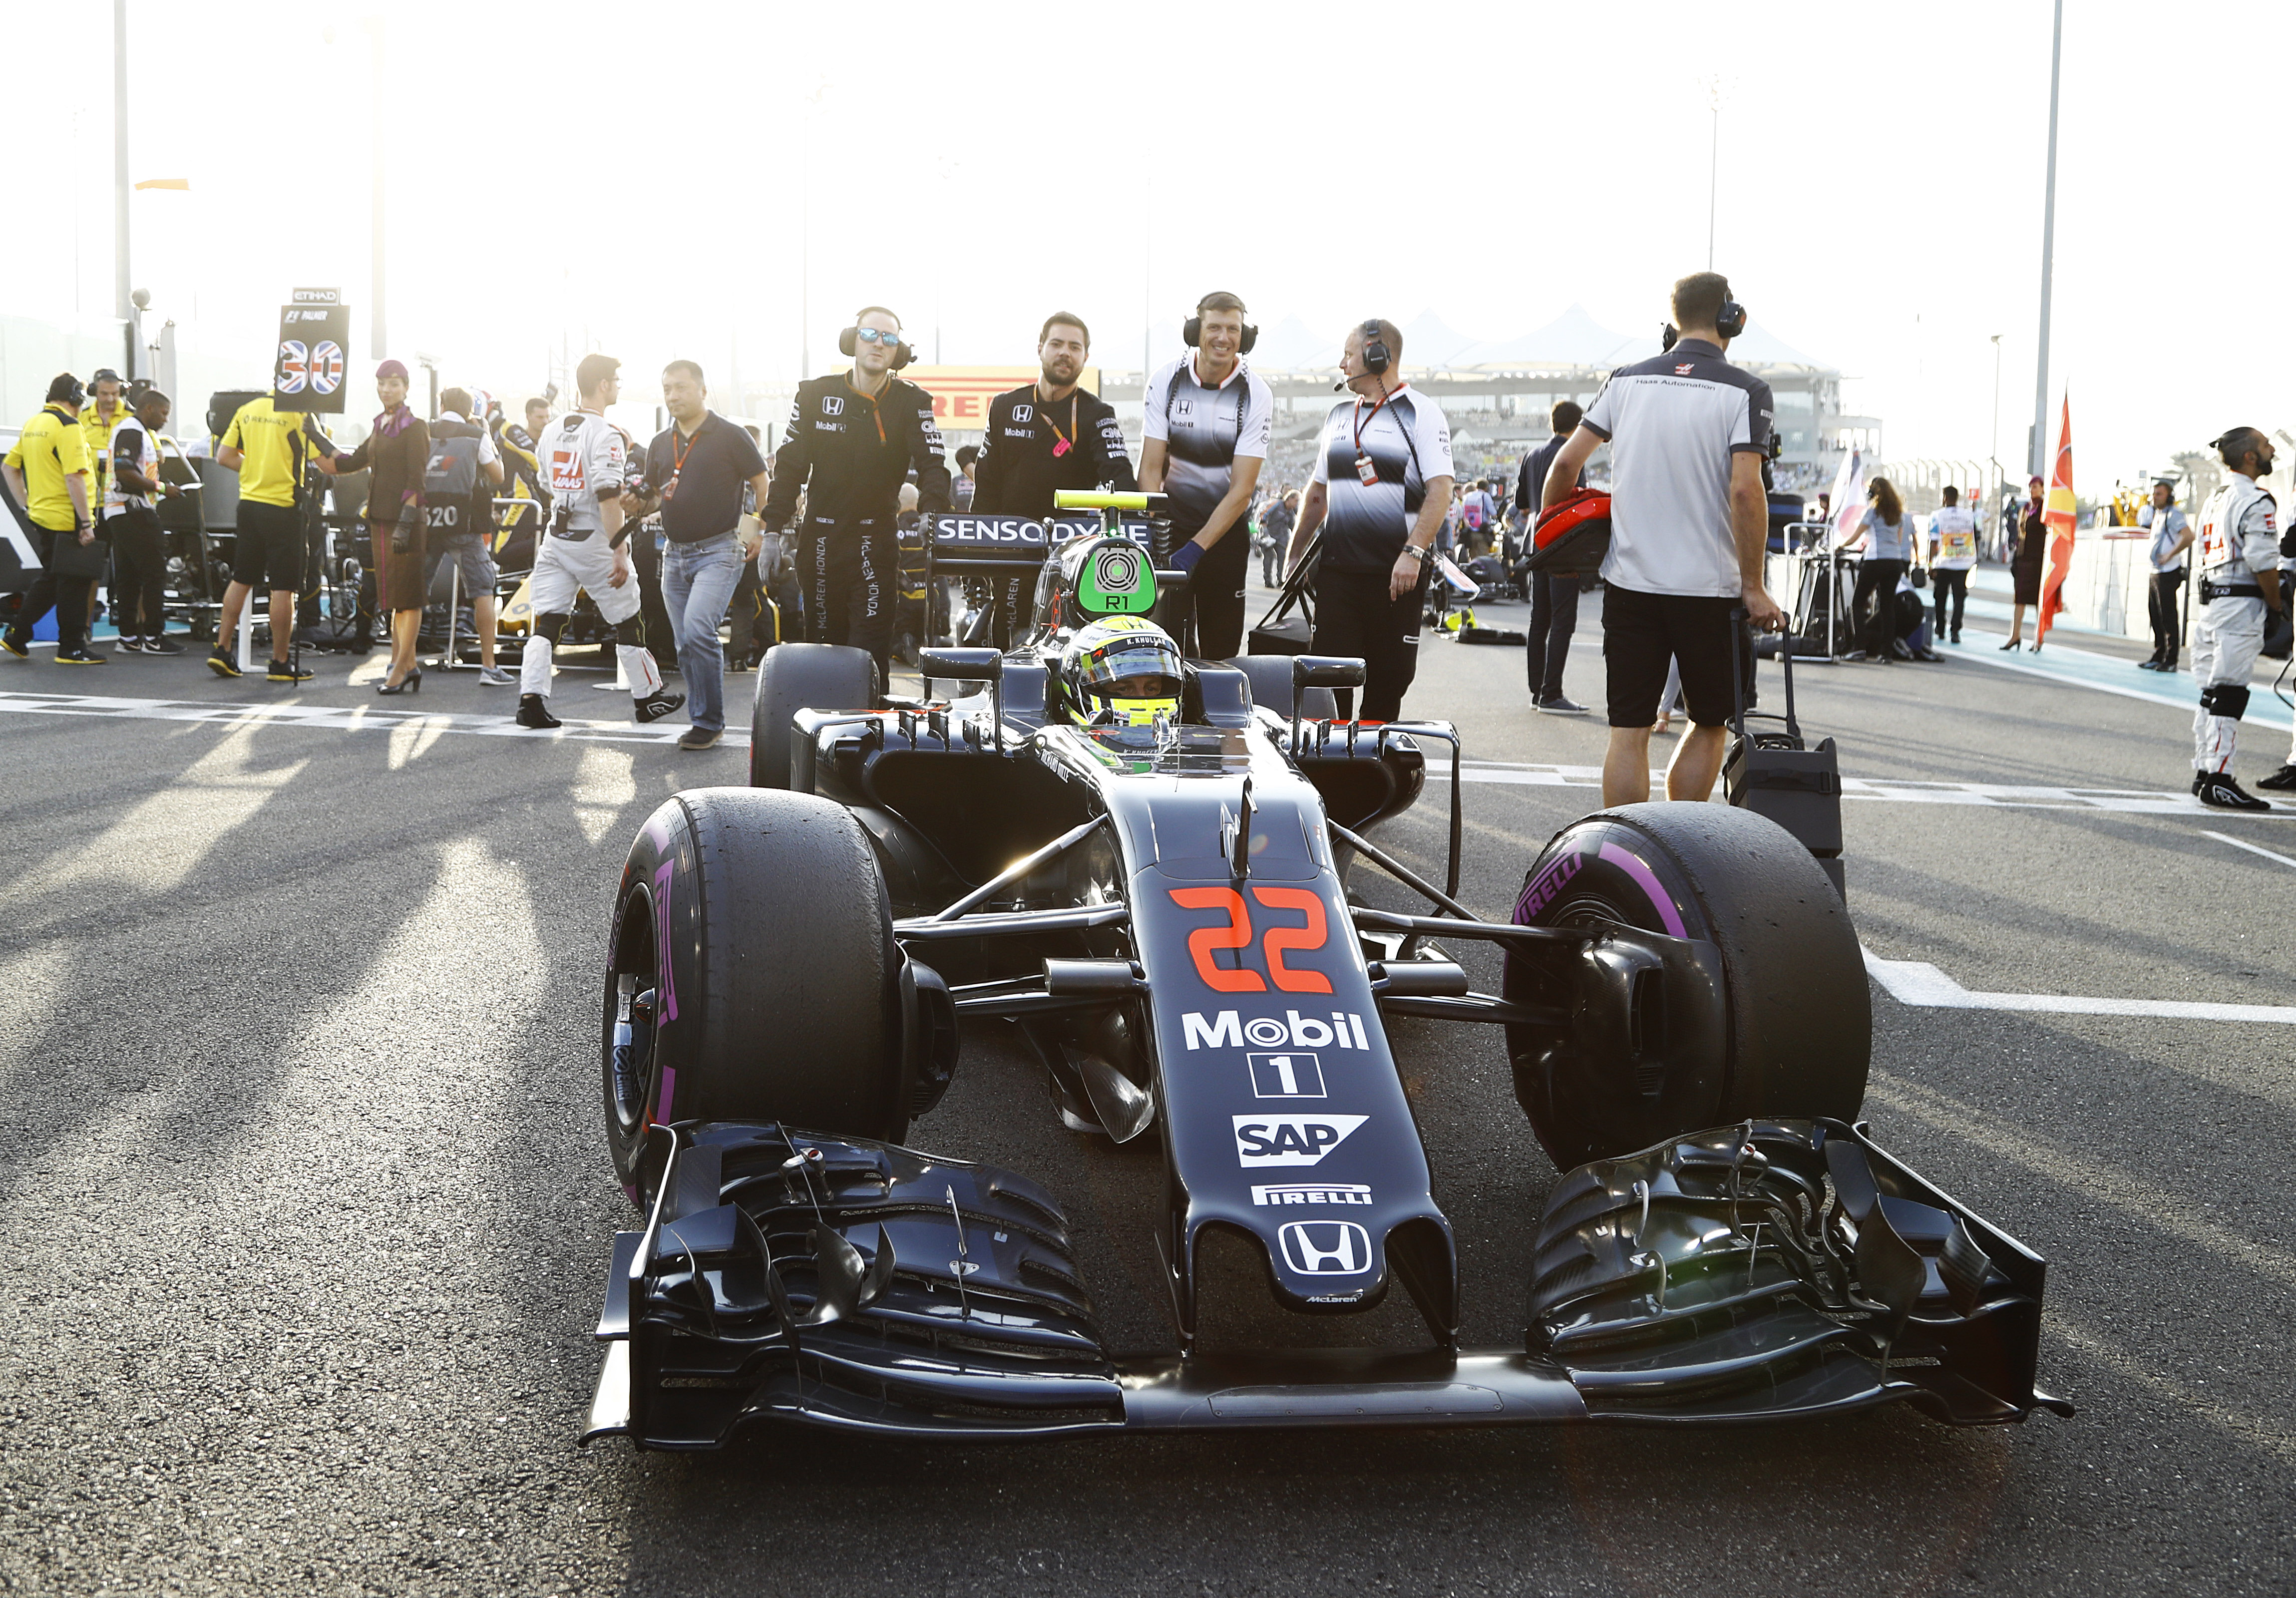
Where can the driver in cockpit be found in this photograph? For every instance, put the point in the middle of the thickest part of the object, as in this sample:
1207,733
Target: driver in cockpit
1123,671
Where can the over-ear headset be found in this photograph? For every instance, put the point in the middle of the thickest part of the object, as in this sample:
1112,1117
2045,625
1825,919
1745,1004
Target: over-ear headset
1192,331
1730,321
850,339
1376,356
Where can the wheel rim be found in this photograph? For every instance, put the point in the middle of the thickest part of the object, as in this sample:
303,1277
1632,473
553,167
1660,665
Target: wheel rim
631,1039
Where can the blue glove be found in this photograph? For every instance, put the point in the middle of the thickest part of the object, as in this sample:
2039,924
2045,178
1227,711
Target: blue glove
1184,558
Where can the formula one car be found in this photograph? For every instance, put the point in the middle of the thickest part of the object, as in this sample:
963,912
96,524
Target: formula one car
1142,862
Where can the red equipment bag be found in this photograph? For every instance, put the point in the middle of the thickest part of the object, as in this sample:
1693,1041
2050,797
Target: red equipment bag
1572,537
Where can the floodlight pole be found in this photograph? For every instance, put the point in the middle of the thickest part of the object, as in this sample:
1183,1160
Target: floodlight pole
2040,439
123,306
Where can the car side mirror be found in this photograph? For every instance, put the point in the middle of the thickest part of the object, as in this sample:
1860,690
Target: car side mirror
980,665
1326,671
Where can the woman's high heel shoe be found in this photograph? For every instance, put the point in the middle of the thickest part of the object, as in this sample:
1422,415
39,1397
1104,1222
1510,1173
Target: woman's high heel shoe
2014,643
411,682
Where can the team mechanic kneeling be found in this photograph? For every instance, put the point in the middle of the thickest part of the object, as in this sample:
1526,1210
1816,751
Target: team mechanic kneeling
2240,580
586,461
1123,672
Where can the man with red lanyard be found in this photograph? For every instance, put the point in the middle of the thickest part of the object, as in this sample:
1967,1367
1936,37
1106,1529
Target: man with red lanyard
1042,438
1381,487
1203,439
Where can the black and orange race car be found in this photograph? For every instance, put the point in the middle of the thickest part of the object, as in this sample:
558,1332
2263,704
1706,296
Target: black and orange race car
1144,862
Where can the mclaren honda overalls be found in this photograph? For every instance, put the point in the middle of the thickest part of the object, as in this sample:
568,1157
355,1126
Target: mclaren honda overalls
585,458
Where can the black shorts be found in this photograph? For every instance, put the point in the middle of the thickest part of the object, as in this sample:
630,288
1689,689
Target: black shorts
1643,632
270,550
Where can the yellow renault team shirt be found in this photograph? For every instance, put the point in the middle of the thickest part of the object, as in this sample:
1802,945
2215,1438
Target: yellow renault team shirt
275,445
51,451
98,433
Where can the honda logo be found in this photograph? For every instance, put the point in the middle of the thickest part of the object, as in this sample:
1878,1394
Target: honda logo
1021,412
1326,1248
832,406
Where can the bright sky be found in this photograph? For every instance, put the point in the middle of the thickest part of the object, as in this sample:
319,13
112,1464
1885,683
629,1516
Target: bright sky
632,177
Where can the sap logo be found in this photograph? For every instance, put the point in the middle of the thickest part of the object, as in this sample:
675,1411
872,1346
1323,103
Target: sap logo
1326,1248
1311,1192
1296,1076
1228,1030
1291,1139
1022,413
833,405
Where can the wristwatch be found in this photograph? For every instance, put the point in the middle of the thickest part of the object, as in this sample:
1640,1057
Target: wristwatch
1415,552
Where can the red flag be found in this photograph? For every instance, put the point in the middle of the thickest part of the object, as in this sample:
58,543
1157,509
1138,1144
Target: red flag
2058,515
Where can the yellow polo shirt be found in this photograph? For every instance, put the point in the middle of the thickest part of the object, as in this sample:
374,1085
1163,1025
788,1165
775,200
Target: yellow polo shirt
275,445
51,450
98,433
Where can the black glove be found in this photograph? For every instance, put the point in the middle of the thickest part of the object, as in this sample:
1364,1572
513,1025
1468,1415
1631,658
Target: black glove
402,537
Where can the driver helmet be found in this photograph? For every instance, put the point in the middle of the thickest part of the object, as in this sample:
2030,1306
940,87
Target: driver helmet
1123,669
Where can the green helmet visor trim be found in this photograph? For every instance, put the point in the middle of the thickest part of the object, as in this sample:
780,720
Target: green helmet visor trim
1142,712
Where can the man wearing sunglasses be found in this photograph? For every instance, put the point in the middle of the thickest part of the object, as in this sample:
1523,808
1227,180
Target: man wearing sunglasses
854,438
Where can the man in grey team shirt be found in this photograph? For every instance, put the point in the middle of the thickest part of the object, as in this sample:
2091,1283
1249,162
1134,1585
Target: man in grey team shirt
1689,521
1205,434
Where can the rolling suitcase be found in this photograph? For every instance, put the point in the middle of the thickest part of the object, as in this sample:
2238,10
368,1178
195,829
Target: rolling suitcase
1779,776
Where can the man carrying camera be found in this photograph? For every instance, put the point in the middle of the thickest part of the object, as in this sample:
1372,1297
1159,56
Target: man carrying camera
1381,487
1041,438
2240,582
853,438
1204,432
1689,520
585,463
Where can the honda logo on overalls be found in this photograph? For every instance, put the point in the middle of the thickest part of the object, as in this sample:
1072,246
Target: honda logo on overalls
1326,1248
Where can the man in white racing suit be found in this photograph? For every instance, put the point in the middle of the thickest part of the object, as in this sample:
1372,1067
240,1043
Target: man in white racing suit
584,461
2240,581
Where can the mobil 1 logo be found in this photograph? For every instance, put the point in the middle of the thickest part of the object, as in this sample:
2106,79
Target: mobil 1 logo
1295,1074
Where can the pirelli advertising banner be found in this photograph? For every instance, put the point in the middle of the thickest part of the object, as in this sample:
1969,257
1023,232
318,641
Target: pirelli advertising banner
314,358
960,535
961,394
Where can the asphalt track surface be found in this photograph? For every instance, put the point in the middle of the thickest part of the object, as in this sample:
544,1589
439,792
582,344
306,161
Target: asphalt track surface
307,1208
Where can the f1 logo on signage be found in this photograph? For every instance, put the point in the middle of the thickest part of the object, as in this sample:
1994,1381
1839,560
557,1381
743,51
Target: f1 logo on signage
1291,1139
1326,1248
1297,1076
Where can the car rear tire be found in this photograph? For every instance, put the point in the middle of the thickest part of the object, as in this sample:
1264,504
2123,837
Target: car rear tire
1270,676
800,677
1793,1011
759,922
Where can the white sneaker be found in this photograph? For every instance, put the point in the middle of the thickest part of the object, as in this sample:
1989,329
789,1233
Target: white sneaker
495,676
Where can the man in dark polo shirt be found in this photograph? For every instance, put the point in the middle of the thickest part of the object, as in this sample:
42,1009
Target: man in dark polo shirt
1689,520
1554,600
1047,436
699,464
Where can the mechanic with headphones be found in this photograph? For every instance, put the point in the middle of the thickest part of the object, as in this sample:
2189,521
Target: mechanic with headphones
1044,437
1205,434
1380,485
1689,525
2240,581
586,460
854,436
